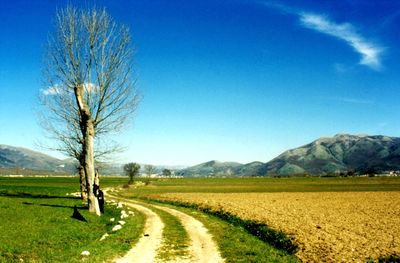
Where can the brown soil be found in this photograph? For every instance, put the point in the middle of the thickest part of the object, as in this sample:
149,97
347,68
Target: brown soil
329,227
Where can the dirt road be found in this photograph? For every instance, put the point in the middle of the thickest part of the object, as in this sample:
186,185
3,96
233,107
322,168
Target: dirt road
146,248
202,247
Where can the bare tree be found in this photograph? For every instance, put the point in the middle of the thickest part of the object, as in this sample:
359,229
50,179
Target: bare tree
90,92
150,170
132,170
166,172
69,139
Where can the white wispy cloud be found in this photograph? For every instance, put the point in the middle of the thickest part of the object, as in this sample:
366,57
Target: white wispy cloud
56,89
50,91
90,87
369,51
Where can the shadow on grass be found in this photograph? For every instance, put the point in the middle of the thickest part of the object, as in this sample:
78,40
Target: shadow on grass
76,215
30,195
57,206
391,258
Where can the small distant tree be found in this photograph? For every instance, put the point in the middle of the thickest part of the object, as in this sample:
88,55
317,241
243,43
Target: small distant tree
370,171
166,172
150,169
131,170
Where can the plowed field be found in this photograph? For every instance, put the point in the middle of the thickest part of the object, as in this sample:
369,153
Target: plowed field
328,226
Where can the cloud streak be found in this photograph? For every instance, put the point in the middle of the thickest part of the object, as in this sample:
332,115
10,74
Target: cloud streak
50,91
56,89
370,52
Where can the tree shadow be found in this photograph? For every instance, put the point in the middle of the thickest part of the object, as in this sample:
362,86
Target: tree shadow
38,196
57,206
75,215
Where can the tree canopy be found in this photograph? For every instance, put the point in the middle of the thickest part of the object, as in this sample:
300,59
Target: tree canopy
131,170
90,91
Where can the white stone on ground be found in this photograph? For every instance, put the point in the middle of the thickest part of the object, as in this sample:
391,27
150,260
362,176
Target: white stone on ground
76,194
104,237
112,219
116,228
85,253
122,222
124,214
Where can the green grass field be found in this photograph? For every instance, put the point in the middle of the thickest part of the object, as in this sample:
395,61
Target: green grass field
262,185
36,223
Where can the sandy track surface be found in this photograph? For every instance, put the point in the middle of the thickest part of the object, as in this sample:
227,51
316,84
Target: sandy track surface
146,248
202,247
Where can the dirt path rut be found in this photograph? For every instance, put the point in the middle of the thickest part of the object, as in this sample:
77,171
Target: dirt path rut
202,247
146,248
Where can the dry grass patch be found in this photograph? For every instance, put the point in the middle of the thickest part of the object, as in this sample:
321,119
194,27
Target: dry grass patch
328,226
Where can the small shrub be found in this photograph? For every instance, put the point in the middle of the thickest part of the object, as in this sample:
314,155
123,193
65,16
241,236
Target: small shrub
390,259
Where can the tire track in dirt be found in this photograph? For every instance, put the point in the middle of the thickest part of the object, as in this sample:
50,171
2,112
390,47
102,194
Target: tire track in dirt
145,250
202,247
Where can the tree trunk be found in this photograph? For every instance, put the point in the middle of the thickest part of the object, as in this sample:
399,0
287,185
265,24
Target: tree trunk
82,182
88,132
90,171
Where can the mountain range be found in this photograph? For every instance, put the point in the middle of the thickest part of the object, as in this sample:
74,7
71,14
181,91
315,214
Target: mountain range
18,157
343,153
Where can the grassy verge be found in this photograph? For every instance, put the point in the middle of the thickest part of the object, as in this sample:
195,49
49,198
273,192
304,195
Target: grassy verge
389,259
273,237
276,238
235,242
36,224
175,239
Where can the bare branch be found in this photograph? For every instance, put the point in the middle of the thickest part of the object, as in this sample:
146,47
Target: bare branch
88,49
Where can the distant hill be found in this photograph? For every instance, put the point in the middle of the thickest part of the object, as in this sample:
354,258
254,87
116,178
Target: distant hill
22,158
216,168
328,155
211,168
343,152
252,169
18,158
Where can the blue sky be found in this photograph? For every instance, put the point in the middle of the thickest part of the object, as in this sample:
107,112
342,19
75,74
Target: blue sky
234,80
